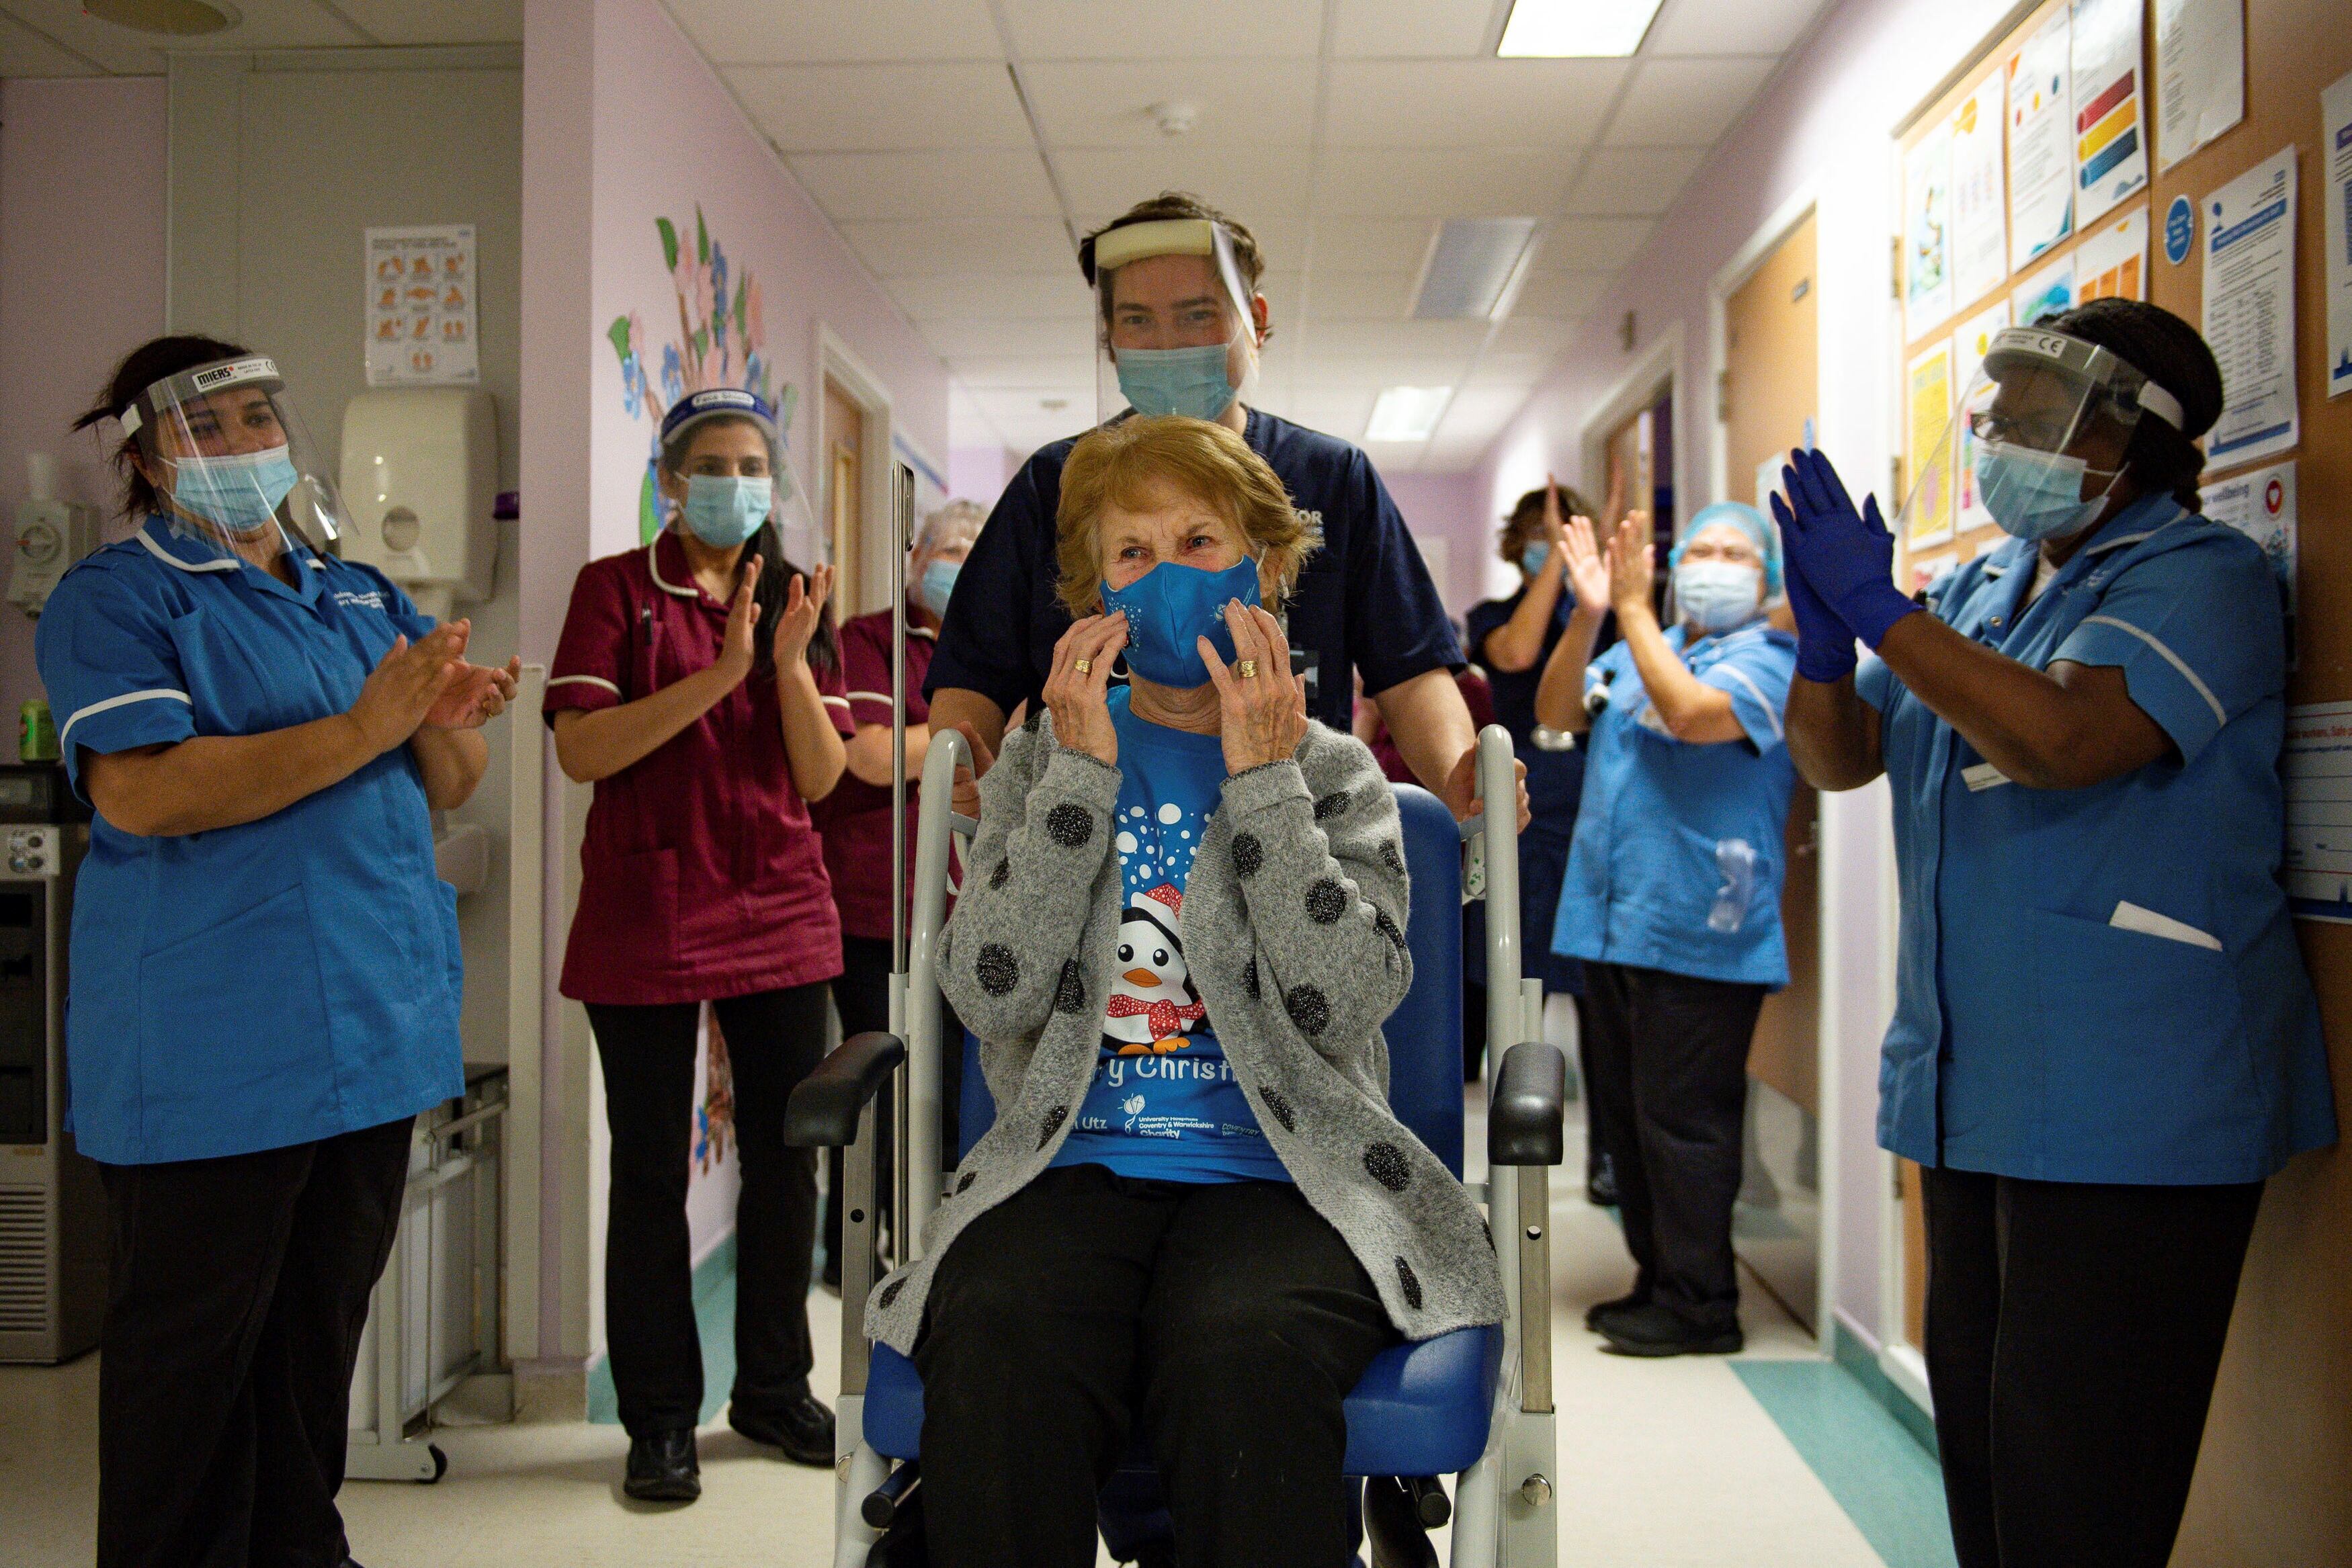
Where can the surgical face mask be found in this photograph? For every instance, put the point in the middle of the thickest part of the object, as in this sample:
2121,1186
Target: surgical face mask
1170,607
1532,558
725,509
2034,495
239,493
1176,381
1717,595
938,582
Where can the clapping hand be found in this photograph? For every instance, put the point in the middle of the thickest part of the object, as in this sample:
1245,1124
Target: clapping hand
478,694
1588,570
804,607
407,686
737,650
1632,572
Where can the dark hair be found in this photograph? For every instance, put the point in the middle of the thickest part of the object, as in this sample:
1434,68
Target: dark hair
1524,522
776,569
2168,351
1168,204
150,363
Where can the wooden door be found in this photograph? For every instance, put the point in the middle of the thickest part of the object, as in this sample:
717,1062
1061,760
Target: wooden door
844,490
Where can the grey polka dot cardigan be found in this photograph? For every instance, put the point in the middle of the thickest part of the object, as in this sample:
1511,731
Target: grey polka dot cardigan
1293,930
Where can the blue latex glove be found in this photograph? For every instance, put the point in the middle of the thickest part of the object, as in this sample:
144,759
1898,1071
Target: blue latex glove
1825,644
1847,557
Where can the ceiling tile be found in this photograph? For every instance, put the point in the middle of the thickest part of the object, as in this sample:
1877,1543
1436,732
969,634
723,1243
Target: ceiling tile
1634,180
1245,181
1469,103
1021,372
875,107
1566,294
1359,296
1444,182
1728,26
1335,412
1535,334
972,183
967,296
937,249
1154,30
25,52
1372,245
1685,102
760,32
1106,103
1317,373
1507,368
1382,340
1422,30
262,24
1478,412
1395,456
1590,244
436,21
980,340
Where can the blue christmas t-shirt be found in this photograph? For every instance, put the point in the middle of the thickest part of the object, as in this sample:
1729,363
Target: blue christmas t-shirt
1163,1103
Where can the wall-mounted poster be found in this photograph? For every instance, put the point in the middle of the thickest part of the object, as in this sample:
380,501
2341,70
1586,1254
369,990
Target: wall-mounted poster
1930,503
2110,149
2048,292
2318,766
2250,312
420,306
1979,201
2040,144
2201,73
2113,263
2336,151
1927,232
2260,504
1969,346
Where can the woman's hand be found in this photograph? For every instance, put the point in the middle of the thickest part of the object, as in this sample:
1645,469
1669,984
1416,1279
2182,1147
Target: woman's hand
736,652
1075,697
804,607
478,695
405,686
1631,571
1555,526
1588,571
1264,709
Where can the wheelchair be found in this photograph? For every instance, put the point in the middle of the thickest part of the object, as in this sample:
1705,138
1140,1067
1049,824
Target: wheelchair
1475,1403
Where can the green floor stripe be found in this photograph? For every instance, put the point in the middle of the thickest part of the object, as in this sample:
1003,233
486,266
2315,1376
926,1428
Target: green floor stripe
714,1323
1879,1475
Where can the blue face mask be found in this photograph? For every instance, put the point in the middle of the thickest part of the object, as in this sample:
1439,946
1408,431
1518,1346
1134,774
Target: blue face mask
1717,595
2033,494
239,493
725,509
1532,558
937,585
1176,381
1170,607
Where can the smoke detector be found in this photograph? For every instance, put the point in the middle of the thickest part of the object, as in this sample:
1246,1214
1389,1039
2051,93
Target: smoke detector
1173,116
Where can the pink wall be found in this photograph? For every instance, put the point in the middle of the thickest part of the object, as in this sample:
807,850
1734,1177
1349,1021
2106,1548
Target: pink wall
1451,508
980,473
81,284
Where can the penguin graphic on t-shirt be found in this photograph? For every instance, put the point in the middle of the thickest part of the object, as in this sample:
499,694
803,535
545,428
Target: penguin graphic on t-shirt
1153,1005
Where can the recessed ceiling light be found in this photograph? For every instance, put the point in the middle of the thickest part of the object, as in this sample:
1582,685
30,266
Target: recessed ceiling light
1559,29
176,18
1470,268
1407,414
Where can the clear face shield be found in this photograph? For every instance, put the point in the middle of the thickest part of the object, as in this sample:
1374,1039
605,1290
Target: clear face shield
1174,333
231,461
732,473
2036,440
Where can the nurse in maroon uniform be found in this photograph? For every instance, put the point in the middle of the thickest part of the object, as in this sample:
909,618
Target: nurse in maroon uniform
698,686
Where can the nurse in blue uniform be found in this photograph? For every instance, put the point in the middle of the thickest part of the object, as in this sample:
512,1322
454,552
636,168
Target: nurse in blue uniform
2103,1037
264,966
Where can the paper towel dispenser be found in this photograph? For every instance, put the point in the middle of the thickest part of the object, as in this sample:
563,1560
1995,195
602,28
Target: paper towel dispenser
420,470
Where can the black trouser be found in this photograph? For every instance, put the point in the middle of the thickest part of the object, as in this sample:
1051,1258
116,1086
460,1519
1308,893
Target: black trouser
773,1041
1229,1321
232,1318
1669,1066
2073,1331
861,996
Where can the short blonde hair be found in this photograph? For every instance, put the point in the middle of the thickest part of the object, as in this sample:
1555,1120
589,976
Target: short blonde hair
1121,465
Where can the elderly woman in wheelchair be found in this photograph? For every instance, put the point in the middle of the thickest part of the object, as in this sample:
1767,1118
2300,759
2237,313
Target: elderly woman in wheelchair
1195,1220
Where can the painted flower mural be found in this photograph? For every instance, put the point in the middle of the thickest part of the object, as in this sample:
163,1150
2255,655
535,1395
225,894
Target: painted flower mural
721,342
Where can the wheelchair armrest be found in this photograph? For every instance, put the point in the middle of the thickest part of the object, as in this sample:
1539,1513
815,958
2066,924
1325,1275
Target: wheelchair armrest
823,1110
1523,1119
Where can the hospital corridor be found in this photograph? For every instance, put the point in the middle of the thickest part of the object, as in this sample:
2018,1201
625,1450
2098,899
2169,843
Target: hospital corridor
1064,783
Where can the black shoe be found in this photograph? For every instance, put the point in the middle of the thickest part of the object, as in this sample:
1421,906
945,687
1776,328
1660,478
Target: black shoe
1600,1182
1598,1314
1652,1331
801,1427
663,1468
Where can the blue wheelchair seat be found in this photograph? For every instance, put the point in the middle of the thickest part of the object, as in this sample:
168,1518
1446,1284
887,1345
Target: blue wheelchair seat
1421,1409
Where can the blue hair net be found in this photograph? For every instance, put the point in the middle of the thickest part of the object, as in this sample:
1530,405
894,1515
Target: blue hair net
1749,521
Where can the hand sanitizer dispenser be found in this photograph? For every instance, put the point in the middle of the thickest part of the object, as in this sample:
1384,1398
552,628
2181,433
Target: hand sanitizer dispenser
420,469
51,535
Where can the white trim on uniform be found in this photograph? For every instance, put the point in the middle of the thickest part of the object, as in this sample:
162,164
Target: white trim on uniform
1758,693
838,702
883,697
161,554
653,569
151,695
584,681
2220,715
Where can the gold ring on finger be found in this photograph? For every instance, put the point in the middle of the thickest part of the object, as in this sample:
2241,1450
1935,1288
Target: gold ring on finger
1084,666
1246,669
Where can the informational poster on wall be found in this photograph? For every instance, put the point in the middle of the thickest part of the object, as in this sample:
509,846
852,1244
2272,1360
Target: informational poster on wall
2113,263
2318,766
1979,201
2048,292
2110,148
2336,151
2250,312
2201,73
1927,233
421,326
1930,502
1968,347
2260,504
2040,144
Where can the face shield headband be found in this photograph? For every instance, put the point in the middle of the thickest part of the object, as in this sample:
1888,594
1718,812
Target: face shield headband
230,458
1170,339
